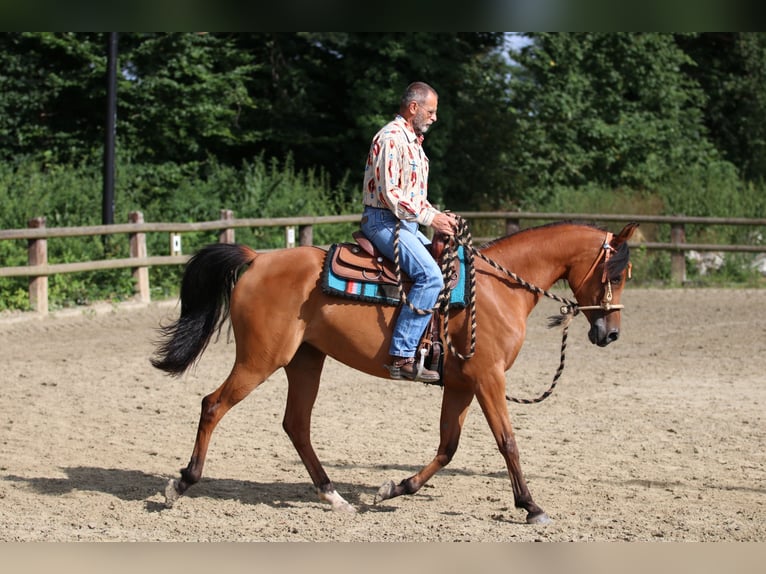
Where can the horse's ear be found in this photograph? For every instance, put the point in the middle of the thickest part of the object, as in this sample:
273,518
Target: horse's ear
626,233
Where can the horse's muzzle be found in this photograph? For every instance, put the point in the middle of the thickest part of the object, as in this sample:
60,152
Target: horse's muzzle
599,334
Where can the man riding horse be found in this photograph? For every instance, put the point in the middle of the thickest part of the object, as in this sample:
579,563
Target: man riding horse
396,191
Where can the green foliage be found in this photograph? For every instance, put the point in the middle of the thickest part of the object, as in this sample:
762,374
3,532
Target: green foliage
612,109
571,109
712,190
600,199
71,196
705,190
709,191
736,270
182,95
650,268
278,124
65,196
729,67
52,92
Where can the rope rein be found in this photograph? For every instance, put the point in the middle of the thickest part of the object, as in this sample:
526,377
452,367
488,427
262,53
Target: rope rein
568,310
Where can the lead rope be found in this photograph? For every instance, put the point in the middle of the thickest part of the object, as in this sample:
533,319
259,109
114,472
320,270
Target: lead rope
567,311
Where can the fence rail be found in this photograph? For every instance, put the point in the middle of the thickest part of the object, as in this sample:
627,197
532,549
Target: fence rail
38,269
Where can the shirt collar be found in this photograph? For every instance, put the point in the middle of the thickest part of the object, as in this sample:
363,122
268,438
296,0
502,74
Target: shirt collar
408,131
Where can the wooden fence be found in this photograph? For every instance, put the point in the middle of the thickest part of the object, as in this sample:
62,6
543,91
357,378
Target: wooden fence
39,269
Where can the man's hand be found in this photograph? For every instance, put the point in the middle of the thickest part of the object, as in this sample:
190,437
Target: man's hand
444,223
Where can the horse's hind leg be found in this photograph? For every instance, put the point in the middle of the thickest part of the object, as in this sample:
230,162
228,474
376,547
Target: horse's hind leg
303,375
240,382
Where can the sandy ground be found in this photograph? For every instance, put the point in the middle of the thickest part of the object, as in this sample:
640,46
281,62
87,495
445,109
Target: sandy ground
658,437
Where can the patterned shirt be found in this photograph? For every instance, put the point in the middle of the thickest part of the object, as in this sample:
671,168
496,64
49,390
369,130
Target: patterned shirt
396,173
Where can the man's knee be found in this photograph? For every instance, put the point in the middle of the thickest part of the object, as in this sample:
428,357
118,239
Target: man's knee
434,280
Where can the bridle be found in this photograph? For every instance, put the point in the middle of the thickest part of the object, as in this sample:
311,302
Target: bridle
606,302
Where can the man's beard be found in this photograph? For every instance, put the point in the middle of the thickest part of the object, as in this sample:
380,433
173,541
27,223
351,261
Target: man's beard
421,128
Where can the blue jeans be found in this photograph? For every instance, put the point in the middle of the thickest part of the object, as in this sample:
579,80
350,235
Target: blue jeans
379,225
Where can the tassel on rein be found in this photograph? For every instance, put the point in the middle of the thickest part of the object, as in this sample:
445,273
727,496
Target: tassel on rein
566,314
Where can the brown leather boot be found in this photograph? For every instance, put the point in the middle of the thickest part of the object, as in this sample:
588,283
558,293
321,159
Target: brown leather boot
405,368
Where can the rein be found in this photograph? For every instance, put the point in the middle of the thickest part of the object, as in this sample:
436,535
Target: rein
567,311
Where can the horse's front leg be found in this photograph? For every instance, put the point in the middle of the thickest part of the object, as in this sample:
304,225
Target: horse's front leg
454,409
303,375
491,397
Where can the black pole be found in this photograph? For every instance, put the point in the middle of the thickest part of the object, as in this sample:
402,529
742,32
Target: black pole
111,122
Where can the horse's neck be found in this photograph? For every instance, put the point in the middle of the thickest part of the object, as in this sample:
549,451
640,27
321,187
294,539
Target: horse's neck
542,256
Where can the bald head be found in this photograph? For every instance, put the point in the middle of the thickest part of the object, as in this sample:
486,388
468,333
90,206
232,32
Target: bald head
417,92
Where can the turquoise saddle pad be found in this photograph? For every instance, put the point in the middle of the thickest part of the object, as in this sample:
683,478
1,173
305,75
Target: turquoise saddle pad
383,294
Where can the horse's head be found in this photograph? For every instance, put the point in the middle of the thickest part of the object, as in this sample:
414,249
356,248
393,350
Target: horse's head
599,290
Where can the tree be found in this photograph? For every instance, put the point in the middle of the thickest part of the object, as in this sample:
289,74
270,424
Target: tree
324,95
52,95
182,96
569,109
319,97
613,109
730,68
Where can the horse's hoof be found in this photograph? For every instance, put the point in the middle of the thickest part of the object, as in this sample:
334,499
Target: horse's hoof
538,518
171,493
344,507
385,492
339,504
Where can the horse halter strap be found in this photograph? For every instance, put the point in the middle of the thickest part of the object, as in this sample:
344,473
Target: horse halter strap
606,302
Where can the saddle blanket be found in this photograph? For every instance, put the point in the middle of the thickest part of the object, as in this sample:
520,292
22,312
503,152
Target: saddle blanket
380,293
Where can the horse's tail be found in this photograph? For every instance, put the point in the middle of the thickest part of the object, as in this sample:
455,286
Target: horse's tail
209,278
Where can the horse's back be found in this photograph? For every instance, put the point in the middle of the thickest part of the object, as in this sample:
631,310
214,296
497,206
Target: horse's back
280,278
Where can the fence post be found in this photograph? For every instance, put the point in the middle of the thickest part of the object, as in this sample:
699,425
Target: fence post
226,235
37,254
512,225
306,235
138,251
678,256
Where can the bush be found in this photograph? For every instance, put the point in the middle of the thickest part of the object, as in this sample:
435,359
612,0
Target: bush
71,196
705,191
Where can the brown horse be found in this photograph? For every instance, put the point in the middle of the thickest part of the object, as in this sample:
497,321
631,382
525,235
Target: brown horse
281,318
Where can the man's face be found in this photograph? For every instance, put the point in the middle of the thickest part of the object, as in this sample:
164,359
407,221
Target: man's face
425,114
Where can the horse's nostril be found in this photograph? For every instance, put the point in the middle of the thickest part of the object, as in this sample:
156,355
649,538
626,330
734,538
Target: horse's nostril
613,336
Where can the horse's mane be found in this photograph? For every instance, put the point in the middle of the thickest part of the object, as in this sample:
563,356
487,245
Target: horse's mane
544,226
616,264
